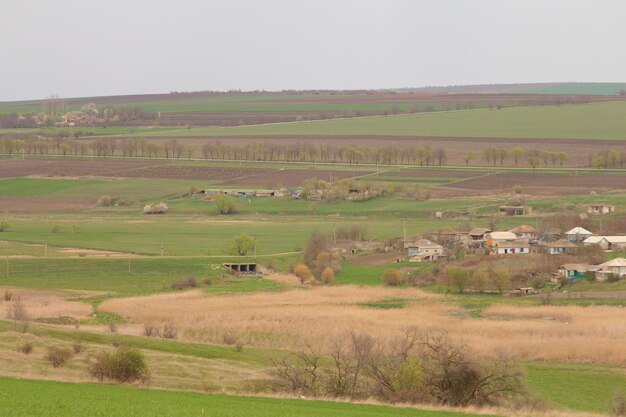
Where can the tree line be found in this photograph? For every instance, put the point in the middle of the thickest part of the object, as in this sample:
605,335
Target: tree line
421,155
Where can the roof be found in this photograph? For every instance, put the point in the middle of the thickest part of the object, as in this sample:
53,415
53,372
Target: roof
601,205
503,235
578,231
610,239
579,267
479,231
424,243
620,262
514,244
561,243
524,228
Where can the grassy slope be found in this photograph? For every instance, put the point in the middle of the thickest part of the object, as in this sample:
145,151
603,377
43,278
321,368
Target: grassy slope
594,121
58,399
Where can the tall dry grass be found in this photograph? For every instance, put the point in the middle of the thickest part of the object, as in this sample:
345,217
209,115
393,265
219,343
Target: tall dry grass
321,316
46,304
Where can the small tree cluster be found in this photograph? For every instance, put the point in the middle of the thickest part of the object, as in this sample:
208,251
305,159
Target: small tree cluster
125,365
158,208
225,204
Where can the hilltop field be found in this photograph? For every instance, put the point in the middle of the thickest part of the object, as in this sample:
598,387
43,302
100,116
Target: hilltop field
90,269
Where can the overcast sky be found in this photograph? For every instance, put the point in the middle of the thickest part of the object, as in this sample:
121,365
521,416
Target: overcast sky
88,48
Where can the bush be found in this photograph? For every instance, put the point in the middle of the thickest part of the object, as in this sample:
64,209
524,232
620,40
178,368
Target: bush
25,348
392,277
56,229
225,204
182,284
302,272
104,201
150,330
124,365
4,226
618,403
208,281
159,208
78,347
58,356
169,331
113,327
328,276
612,278
229,339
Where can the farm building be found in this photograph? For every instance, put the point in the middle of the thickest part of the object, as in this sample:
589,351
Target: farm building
575,271
494,238
560,247
283,192
514,210
515,247
525,231
425,250
521,291
600,209
242,267
577,235
615,266
449,236
611,243
478,233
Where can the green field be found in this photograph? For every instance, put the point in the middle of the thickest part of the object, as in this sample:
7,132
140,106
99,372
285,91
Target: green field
590,121
40,186
54,399
577,88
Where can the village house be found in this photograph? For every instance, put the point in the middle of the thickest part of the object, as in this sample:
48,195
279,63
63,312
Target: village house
450,237
513,247
478,233
494,238
575,271
577,235
607,243
560,247
551,234
513,210
424,250
525,231
600,209
615,266
283,192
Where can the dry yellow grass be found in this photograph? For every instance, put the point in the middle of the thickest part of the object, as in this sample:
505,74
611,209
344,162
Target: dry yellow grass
46,303
320,316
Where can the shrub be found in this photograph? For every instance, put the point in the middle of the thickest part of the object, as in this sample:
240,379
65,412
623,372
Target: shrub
8,295
18,314
113,327
612,278
58,356
302,272
618,403
229,339
150,330
328,276
4,225
517,189
181,284
225,204
78,347
124,365
56,228
208,281
169,331
392,277
25,348
159,208
104,201
242,244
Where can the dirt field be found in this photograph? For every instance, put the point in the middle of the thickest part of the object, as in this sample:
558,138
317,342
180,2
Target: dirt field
291,177
542,183
42,203
68,167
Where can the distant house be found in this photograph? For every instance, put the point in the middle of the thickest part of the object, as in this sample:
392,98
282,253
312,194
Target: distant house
550,235
577,235
448,236
517,247
612,243
525,231
494,238
575,271
560,247
514,210
478,233
424,250
600,209
237,192
615,266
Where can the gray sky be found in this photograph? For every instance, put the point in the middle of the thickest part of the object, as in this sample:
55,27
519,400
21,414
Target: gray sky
84,48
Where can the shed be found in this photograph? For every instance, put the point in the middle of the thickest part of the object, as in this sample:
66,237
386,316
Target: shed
600,209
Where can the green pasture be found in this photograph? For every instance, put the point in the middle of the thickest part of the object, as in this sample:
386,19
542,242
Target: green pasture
576,88
590,121
40,186
30,398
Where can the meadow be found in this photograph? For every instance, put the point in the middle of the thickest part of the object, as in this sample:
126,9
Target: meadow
589,121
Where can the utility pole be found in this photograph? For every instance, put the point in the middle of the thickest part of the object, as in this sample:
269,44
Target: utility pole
129,265
7,266
161,249
45,250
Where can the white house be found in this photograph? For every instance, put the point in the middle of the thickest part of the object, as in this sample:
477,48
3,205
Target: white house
615,266
617,243
577,235
424,250
525,231
512,247
494,238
